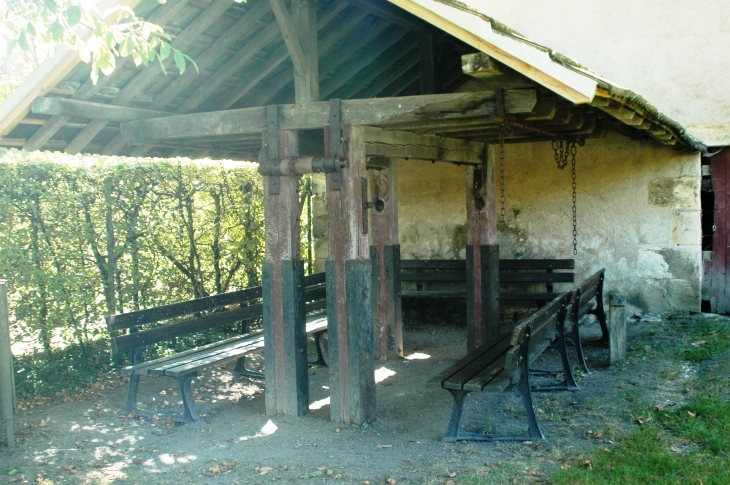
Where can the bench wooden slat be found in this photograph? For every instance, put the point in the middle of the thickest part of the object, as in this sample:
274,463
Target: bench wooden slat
536,277
500,367
151,315
191,325
527,296
467,370
448,276
536,264
433,264
213,357
434,294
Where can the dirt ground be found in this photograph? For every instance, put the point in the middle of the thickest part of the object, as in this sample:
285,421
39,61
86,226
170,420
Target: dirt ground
92,441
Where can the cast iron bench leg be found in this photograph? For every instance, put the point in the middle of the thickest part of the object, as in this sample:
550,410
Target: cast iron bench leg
522,387
574,338
320,355
190,413
452,433
132,394
242,371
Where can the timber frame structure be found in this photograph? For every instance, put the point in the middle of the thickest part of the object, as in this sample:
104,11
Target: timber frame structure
339,87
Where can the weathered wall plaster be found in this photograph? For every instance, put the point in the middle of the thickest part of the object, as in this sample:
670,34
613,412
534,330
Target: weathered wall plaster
638,215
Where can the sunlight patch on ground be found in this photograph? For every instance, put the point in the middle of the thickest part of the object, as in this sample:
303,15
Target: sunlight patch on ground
319,404
268,429
382,374
418,356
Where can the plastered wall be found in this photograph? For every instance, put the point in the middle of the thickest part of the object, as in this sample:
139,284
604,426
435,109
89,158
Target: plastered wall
638,215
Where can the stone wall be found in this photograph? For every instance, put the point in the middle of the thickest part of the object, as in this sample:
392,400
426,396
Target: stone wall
638,215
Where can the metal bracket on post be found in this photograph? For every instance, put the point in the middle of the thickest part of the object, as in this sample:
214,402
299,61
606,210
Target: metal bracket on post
272,145
337,141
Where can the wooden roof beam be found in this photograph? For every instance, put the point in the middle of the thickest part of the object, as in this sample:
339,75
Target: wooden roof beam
145,77
315,115
160,16
391,14
267,66
95,111
400,144
362,62
286,26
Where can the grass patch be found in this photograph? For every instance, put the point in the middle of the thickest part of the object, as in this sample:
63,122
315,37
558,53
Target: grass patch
689,444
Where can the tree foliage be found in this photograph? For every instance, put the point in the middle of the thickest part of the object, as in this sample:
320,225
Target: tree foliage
176,230
99,37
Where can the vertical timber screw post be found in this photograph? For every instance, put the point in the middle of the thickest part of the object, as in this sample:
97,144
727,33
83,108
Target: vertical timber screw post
617,328
7,382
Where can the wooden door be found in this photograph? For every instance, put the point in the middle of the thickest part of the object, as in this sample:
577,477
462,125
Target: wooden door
719,274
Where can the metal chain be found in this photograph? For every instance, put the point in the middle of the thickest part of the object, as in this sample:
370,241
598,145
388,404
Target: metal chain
573,151
501,170
561,148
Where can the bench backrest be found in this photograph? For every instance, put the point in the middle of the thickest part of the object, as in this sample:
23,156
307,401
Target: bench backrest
510,271
481,365
591,289
222,309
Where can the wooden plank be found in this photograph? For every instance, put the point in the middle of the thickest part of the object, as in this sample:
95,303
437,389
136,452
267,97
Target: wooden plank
490,291
383,41
720,172
306,84
391,14
314,115
506,264
537,277
435,276
223,356
388,328
286,26
434,294
403,144
475,366
295,382
147,337
346,242
361,349
151,315
433,264
86,109
427,64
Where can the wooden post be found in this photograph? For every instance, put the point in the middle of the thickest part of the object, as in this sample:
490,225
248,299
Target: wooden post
384,218
304,17
7,381
617,328
287,387
351,367
482,254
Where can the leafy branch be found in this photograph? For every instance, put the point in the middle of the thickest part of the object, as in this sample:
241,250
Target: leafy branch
99,37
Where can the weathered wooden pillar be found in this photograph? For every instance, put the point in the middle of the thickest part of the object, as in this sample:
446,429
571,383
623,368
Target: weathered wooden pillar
285,343
384,217
349,288
616,328
482,253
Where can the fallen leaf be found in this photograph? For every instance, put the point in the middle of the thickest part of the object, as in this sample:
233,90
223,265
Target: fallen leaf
337,430
177,453
590,431
23,431
385,446
639,420
676,450
391,481
586,464
43,422
449,482
263,470
451,474
690,414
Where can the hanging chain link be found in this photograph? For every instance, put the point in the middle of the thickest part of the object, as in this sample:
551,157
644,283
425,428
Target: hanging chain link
562,148
502,130
573,151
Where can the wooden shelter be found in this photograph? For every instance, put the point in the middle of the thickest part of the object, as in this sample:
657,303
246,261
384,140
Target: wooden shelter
340,87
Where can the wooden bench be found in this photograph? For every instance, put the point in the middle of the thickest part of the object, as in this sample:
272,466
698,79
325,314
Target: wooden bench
512,273
165,323
506,363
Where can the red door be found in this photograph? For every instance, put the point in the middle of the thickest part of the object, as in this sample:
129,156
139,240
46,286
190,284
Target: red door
719,274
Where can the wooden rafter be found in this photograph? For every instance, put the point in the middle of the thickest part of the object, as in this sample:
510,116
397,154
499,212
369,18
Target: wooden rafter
316,115
147,75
